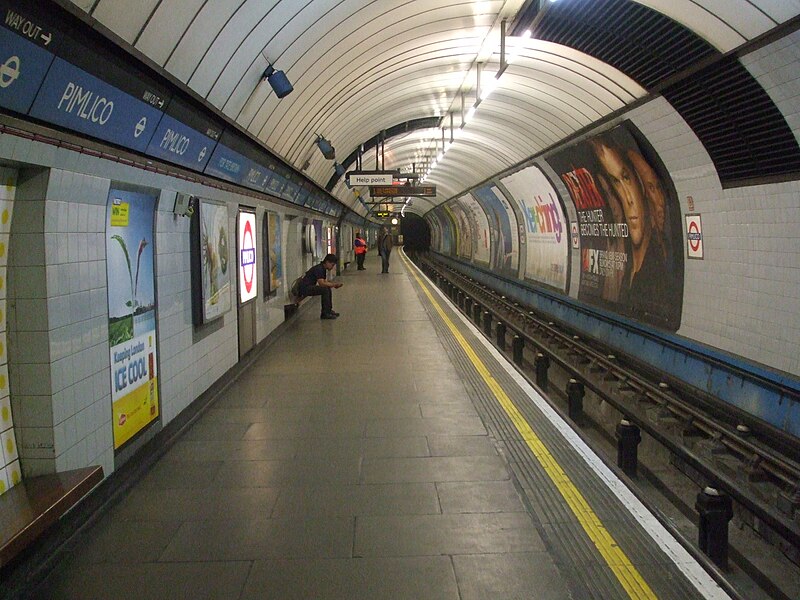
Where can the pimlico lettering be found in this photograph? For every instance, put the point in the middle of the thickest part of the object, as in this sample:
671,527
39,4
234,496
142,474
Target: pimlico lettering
175,142
85,104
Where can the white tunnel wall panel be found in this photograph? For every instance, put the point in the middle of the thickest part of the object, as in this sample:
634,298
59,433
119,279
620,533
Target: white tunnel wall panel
251,28
125,23
775,68
743,296
177,15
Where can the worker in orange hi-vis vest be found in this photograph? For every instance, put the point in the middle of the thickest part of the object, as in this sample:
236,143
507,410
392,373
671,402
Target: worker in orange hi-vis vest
360,247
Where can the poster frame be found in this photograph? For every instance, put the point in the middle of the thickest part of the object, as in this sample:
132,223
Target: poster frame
137,356
200,314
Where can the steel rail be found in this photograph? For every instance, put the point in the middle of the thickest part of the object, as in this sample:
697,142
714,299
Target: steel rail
782,469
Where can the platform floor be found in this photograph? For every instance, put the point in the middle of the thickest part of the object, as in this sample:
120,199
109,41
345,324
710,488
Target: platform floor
368,457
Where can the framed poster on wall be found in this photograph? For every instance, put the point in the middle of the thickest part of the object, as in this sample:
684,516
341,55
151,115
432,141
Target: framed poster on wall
503,230
272,259
246,253
545,228
629,225
131,313
210,255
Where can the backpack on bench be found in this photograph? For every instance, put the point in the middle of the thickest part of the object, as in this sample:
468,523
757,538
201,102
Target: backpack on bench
294,290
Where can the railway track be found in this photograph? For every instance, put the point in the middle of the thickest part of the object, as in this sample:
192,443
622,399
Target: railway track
720,447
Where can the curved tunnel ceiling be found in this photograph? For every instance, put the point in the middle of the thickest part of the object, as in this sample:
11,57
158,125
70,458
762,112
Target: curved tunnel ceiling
359,67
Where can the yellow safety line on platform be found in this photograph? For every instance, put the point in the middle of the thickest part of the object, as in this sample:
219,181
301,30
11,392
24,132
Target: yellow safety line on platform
628,576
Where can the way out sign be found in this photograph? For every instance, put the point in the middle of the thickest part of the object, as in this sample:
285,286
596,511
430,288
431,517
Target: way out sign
694,236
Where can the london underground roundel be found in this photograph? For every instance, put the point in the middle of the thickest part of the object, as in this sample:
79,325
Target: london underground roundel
248,288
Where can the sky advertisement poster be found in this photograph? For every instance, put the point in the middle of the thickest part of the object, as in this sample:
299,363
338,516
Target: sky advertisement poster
629,226
131,313
214,257
546,230
480,232
504,244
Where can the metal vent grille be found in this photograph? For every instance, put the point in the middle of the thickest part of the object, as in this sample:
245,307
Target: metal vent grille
640,42
738,123
745,134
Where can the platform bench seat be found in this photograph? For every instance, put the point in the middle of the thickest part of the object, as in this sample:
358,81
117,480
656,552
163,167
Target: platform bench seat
28,509
290,309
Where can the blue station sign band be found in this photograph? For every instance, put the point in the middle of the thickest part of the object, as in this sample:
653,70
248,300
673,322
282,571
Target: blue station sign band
72,98
175,142
23,66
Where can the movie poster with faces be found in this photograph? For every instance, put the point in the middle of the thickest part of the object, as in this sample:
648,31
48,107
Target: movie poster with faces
480,229
504,243
629,226
545,227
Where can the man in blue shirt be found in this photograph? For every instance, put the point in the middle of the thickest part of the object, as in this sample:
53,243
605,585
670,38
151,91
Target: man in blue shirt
315,283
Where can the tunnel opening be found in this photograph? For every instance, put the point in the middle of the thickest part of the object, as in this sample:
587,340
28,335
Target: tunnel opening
416,233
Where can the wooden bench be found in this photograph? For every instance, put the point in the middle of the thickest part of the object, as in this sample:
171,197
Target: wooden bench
28,509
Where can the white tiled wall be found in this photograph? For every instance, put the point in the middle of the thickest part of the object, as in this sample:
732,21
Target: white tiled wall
60,356
744,296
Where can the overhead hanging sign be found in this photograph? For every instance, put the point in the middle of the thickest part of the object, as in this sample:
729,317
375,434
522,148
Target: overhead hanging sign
371,177
394,191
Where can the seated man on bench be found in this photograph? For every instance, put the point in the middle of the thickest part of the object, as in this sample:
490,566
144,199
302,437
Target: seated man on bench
315,283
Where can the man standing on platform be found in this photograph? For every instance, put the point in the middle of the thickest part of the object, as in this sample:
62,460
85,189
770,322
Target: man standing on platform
315,283
384,248
360,248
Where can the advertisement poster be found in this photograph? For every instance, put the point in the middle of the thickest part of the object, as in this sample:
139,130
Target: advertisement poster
10,471
449,231
629,225
436,234
463,230
504,244
275,258
480,223
214,257
319,242
545,227
131,313
248,282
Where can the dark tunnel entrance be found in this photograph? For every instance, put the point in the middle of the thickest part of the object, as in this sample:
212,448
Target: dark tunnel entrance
416,233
